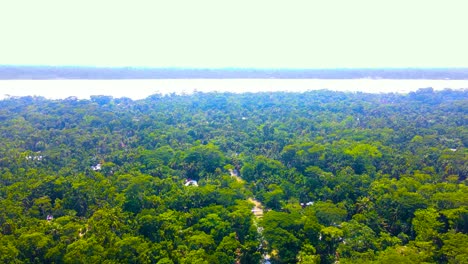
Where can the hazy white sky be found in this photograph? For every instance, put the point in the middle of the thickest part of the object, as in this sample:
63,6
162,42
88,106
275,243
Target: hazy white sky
237,33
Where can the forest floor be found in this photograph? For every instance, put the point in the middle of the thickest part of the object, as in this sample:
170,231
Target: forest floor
235,174
257,210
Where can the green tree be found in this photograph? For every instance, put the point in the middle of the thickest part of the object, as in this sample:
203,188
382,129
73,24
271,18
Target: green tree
203,159
426,224
85,251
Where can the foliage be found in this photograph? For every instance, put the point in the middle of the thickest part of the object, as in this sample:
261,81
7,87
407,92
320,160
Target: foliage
349,177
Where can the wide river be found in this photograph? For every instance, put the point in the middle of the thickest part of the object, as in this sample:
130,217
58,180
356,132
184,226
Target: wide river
139,89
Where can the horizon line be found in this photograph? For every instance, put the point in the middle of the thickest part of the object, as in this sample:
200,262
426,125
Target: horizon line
230,67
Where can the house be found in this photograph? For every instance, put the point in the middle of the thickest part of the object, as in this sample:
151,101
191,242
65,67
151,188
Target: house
190,182
36,156
307,204
97,167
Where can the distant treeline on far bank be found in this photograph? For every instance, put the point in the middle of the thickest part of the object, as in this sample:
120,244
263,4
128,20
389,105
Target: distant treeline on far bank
15,72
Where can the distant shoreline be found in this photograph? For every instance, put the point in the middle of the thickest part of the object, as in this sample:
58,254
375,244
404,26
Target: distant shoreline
22,72
140,89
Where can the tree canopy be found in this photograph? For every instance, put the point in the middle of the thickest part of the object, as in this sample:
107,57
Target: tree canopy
349,177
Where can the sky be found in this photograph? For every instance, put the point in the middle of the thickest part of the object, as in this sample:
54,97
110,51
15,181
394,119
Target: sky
241,33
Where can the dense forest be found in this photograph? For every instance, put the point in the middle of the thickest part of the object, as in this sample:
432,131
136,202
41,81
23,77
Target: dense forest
314,177
18,72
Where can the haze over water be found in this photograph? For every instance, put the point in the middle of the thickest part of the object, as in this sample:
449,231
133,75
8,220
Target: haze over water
140,89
